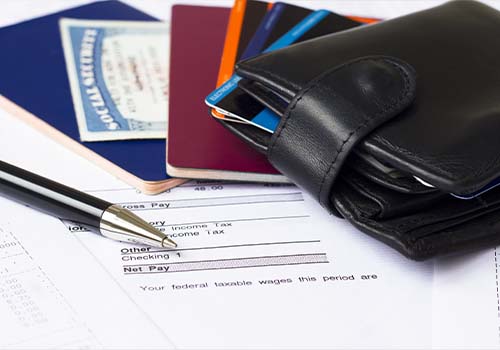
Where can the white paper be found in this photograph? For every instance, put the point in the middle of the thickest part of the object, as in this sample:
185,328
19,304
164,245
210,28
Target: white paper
262,266
466,301
54,294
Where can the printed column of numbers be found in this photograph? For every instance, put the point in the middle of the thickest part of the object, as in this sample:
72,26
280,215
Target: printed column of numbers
16,268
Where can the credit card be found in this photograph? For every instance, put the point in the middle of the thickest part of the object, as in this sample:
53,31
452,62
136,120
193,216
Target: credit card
490,186
261,36
244,20
473,195
246,16
277,22
235,103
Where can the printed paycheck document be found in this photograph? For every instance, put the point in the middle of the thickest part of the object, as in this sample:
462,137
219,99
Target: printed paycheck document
265,266
261,266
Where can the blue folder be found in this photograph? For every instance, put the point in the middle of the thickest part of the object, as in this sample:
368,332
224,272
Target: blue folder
33,75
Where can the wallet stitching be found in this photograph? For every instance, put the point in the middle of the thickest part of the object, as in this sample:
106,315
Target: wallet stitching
387,109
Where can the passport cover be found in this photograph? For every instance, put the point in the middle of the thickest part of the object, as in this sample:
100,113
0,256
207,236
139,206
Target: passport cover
197,146
34,87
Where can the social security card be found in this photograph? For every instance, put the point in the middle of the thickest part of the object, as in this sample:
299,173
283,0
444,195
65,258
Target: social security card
118,73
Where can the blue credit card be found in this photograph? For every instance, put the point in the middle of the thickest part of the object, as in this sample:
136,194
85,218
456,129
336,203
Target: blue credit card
256,44
490,186
473,195
266,119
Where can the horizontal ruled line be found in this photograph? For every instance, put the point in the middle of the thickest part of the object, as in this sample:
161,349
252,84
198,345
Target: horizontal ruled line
218,205
239,220
223,197
221,247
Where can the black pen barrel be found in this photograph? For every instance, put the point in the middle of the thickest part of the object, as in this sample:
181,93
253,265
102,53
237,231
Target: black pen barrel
51,197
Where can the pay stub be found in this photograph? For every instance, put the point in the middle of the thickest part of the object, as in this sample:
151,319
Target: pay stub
268,258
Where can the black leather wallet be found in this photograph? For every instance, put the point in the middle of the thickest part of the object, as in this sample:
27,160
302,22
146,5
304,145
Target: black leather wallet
382,122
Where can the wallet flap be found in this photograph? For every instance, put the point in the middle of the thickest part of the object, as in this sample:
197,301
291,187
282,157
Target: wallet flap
332,113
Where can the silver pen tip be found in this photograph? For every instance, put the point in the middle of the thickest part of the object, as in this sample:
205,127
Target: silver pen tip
168,243
123,225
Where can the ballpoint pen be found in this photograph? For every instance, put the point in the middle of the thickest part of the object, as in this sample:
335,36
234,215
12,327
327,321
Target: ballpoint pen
97,215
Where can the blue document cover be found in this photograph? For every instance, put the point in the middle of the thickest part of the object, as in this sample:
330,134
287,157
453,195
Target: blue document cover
33,75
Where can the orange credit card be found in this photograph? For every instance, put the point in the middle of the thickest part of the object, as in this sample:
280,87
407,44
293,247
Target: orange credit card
245,17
